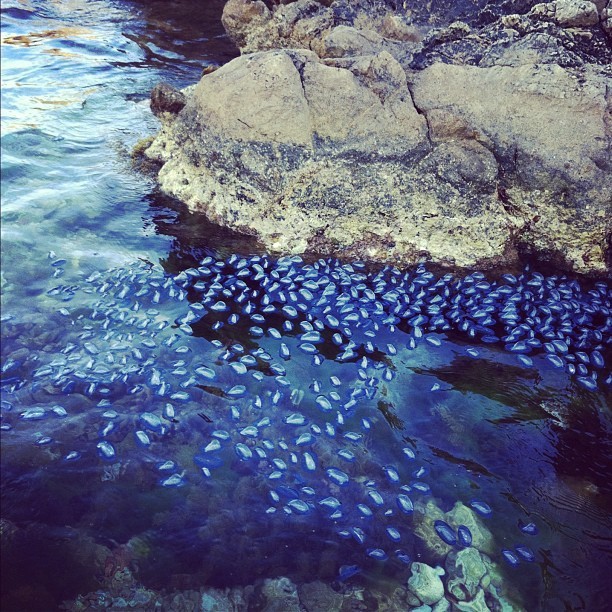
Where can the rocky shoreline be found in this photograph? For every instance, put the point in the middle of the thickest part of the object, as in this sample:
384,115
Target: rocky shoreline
398,132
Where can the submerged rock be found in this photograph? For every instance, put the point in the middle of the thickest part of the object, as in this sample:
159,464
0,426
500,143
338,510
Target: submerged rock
426,516
478,604
426,583
216,600
281,595
467,569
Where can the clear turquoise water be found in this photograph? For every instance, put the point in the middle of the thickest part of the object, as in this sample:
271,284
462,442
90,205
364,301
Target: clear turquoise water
531,443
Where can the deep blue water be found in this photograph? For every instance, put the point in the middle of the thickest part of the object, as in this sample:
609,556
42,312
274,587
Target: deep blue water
91,319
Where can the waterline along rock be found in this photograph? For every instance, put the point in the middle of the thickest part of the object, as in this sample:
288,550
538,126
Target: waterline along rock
368,133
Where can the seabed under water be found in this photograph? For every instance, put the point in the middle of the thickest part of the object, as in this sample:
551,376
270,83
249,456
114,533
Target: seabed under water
253,418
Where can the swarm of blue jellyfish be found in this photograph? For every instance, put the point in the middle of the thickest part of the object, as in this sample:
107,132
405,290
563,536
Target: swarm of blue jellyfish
282,392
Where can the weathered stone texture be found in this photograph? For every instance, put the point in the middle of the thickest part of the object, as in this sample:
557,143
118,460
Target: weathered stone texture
358,129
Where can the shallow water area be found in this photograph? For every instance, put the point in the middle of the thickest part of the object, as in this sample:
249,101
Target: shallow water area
178,417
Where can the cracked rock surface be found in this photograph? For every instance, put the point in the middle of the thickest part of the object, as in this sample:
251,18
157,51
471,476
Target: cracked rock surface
379,130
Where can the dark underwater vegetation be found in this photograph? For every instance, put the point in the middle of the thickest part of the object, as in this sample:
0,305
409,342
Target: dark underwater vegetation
176,402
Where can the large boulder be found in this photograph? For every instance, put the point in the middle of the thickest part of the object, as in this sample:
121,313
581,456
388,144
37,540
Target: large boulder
361,130
312,156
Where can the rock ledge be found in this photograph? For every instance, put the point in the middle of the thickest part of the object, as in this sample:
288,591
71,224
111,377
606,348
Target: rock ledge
348,129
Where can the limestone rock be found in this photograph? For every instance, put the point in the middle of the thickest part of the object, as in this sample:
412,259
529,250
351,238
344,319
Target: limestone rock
482,539
349,131
344,41
463,162
396,27
353,115
567,13
531,49
543,10
241,17
256,98
425,583
342,151
301,24
385,601
412,600
552,132
442,606
478,604
600,4
253,27
331,29
501,603
466,570
215,600
606,19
